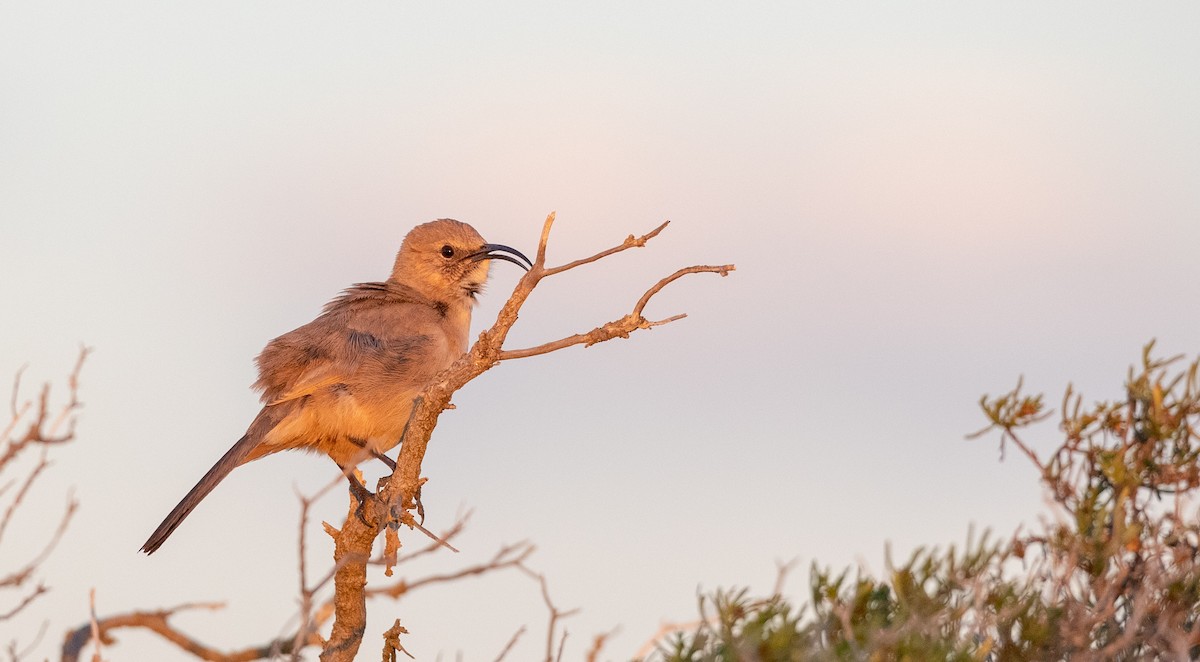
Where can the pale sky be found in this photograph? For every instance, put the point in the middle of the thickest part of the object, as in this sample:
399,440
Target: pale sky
924,201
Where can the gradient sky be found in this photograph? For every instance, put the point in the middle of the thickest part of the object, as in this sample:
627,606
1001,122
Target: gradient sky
924,201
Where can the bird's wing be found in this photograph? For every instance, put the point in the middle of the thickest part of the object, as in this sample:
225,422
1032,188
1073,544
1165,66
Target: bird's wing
341,343
298,363
310,382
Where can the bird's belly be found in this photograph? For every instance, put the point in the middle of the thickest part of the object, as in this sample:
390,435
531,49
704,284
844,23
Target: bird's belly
341,424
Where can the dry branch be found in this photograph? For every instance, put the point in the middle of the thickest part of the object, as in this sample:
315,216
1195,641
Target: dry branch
511,642
42,429
391,642
509,556
311,618
556,615
159,623
399,493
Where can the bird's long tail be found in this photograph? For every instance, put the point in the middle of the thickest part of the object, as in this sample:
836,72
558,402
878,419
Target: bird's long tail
235,456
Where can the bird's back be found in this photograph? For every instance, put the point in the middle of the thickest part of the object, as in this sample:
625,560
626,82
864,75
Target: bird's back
354,371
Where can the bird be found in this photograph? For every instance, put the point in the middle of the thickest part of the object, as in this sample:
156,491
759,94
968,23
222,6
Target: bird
344,384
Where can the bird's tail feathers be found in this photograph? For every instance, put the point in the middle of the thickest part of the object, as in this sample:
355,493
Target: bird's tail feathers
237,455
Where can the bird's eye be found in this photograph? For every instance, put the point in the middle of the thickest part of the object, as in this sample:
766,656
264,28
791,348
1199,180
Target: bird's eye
447,251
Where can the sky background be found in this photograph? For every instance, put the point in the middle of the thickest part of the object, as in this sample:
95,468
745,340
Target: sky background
924,201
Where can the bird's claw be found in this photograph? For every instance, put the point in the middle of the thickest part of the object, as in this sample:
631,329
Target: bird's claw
360,494
391,464
398,512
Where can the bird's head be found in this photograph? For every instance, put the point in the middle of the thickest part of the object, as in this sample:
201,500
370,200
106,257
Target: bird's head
447,260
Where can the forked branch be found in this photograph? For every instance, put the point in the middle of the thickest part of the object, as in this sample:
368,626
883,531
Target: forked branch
43,428
398,493
159,623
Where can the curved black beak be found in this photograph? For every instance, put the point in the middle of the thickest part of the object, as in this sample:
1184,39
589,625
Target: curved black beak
492,252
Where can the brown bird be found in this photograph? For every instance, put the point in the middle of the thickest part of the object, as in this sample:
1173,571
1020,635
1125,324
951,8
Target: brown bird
344,383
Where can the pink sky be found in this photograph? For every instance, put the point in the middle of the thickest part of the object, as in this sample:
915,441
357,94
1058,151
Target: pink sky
924,201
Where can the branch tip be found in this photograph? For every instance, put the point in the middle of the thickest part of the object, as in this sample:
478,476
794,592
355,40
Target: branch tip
540,259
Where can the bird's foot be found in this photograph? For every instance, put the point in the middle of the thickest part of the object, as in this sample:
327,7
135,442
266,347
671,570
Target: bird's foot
360,494
400,512
391,464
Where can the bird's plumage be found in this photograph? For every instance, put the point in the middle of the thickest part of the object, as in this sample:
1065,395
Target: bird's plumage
355,370
344,383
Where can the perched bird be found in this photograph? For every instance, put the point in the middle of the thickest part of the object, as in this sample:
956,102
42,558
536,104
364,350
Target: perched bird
344,383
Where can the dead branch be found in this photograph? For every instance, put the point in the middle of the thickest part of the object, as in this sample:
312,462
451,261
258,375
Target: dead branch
620,328
307,628
598,642
447,535
18,577
23,490
159,623
511,642
630,242
24,602
43,431
352,549
556,615
391,642
95,626
397,496
665,629
398,493
509,556
15,655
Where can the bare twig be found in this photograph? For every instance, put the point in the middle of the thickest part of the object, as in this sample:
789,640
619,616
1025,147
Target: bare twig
782,570
663,630
508,556
511,642
398,493
95,626
562,644
598,642
448,534
437,540
556,615
18,577
24,602
39,432
1024,448
158,622
307,628
630,242
43,430
15,655
620,328
391,642
23,490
